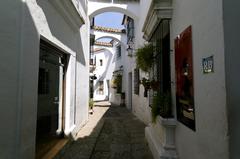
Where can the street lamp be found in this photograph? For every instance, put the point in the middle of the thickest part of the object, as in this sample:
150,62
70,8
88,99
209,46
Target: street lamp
93,77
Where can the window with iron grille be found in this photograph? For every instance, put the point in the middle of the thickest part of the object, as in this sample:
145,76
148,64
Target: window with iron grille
160,71
136,81
130,29
43,83
118,51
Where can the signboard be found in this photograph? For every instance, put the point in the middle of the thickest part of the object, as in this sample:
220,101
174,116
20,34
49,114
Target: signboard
184,78
208,64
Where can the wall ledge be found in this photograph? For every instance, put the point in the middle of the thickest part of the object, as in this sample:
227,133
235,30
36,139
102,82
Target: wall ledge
69,12
159,10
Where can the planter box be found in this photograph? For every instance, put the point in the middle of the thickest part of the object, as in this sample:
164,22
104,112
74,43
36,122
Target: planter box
161,138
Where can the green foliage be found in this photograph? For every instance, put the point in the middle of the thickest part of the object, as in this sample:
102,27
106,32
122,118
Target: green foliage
91,103
144,57
166,105
156,107
117,83
162,105
146,83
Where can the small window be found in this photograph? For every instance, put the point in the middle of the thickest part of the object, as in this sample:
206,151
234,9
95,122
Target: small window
136,81
91,61
101,62
118,51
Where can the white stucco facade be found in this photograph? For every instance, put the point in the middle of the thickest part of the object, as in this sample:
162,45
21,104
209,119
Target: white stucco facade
65,26
210,89
103,72
62,27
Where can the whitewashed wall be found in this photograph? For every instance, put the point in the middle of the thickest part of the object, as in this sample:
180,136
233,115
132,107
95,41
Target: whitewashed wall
102,73
24,22
140,103
19,64
231,34
210,139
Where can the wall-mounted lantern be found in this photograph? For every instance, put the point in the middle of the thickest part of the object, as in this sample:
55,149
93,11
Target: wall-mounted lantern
93,77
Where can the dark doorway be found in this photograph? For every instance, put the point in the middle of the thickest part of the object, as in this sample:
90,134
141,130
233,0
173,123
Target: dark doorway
50,98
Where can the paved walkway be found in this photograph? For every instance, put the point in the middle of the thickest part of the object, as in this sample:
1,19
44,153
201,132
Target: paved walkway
111,133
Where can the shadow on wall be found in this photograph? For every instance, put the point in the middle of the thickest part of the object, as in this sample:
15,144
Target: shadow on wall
19,69
80,57
69,37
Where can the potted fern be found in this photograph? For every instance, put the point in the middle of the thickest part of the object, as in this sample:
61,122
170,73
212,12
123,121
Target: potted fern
144,57
162,105
117,83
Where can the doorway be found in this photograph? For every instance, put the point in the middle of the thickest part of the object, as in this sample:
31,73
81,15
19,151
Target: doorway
50,98
130,90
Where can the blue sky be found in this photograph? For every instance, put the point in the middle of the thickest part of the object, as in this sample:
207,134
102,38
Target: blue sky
109,19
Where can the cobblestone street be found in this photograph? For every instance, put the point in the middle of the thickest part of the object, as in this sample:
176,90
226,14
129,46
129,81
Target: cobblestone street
111,133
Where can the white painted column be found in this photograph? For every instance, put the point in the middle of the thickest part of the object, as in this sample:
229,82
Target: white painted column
60,102
70,95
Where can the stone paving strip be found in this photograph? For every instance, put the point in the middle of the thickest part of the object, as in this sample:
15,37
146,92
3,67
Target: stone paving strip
111,133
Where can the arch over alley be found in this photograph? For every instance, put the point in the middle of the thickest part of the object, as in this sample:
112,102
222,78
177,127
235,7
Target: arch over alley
128,8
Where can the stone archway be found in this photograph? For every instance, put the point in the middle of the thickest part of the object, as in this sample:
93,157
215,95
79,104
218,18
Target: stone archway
119,40
130,9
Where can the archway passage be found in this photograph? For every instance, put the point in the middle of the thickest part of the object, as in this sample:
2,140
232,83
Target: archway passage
122,42
127,8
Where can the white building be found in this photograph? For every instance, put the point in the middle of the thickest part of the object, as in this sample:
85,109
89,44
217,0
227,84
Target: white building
101,85
203,126
44,62
108,63
200,34
44,65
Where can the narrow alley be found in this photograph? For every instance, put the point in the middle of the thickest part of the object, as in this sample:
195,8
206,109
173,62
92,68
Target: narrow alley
119,79
111,133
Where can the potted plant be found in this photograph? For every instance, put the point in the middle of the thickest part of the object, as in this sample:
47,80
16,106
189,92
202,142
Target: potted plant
144,57
162,105
117,82
91,104
146,84
163,124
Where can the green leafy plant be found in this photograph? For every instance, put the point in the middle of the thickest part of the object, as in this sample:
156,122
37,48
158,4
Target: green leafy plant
144,57
156,107
162,105
166,105
146,83
117,83
91,103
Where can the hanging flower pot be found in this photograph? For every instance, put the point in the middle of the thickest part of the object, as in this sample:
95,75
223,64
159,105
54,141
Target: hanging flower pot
144,57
